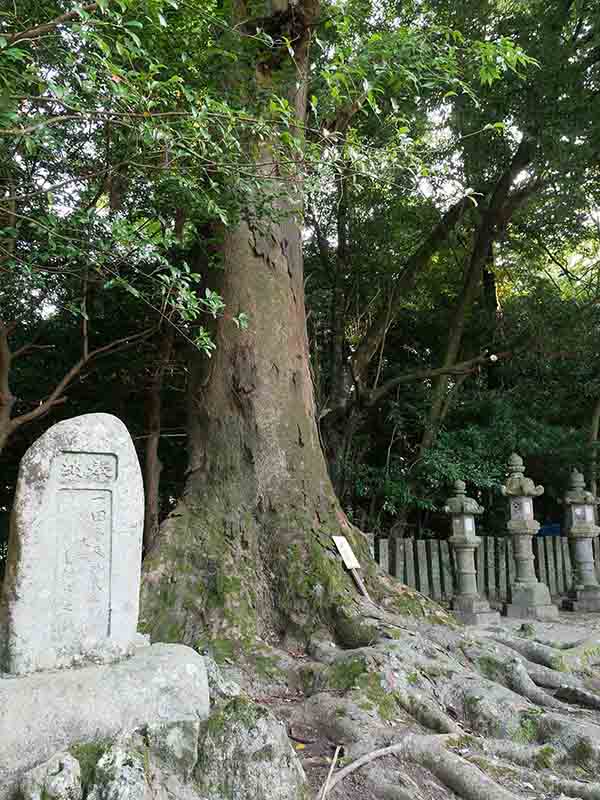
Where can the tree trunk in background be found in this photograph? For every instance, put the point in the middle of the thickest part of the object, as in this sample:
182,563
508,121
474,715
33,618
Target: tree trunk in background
248,549
494,219
340,380
593,443
152,463
492,311
6,397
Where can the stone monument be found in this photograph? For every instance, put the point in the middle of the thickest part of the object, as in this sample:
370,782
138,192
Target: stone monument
584,594
70,598
530,598
71,589
467,604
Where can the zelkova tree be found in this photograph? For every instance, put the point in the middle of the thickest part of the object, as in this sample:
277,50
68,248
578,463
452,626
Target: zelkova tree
248,548
248,545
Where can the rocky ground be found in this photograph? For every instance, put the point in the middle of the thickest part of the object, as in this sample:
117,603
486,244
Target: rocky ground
420,709
508,711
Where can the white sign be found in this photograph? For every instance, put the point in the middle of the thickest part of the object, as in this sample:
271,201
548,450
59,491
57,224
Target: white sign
346,553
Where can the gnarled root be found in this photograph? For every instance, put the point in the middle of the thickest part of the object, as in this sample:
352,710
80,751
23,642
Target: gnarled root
429,751
533,651
425,712
521,683
578,696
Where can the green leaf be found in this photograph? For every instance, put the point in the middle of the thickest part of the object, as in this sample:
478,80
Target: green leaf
136,39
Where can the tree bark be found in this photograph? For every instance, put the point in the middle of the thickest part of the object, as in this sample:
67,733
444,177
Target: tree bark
6,398
248,550
593,443
152,463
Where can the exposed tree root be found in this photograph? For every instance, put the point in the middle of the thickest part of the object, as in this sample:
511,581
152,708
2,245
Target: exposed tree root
549,678
560,645
425,712
526,757
533,651
521,683
428,751
586,791
578,696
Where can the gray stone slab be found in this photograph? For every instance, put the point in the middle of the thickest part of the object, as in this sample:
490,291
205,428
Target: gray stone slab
71,590
474,611
49,712
531,602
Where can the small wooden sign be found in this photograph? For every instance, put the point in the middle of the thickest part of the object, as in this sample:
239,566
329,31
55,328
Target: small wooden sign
350,562
344,549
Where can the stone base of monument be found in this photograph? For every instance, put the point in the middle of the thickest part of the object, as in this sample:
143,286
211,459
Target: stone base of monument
586,599
45,713
531,601
474,611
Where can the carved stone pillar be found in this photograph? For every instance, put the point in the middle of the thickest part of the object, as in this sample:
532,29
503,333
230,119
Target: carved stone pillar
584,594
467,604
530,599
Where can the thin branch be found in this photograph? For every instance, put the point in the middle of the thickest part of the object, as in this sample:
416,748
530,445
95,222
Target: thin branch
48,27
371,341
461,368
325,788
56,396
85,323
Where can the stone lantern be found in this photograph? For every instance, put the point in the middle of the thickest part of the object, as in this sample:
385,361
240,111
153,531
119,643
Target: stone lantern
529,597
584,594
467,604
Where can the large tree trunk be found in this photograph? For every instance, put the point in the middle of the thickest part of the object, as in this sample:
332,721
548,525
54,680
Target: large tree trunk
248,549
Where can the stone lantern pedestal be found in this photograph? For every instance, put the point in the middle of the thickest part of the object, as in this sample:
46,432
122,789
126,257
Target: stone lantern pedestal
468,605
584,594
530,599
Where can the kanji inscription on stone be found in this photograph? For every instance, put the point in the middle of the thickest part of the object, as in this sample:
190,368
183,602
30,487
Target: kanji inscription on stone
71,591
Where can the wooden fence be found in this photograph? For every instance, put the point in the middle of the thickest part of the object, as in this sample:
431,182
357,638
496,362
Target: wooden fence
428,564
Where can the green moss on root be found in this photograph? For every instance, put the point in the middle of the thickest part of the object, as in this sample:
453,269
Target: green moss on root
345,674
88,755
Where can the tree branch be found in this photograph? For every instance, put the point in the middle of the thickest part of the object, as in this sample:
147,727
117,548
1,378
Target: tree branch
56,396
462,368
48,27
372,340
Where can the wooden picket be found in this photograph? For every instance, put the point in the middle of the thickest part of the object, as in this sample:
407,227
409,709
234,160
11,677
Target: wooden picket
429,565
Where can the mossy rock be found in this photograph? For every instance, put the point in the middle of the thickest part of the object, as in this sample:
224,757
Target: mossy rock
88,755
245,754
